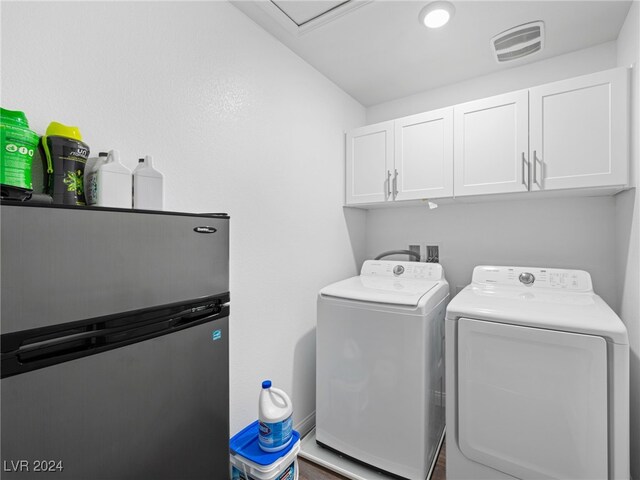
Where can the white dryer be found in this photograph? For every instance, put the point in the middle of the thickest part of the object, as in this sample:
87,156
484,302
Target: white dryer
380,366
537,378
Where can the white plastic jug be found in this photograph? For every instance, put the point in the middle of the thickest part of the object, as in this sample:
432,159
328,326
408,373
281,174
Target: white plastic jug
147,186
274,413
113,183
90,170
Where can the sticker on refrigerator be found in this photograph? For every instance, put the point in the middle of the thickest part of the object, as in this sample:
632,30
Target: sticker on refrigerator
216,335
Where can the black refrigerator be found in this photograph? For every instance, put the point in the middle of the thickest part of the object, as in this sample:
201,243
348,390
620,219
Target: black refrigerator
114,338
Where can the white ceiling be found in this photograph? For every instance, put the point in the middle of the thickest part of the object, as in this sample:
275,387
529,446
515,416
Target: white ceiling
377,51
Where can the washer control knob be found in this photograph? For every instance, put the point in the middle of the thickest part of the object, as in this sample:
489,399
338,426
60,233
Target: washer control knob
527,278
398,270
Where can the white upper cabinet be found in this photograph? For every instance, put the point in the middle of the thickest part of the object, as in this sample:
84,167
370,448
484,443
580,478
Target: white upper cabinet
571,134
579,132
491,144
369,163
424,156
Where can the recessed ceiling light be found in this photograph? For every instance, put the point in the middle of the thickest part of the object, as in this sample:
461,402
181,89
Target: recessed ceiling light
436,14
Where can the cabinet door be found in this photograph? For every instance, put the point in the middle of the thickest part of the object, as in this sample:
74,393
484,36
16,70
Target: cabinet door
491,144
579,132
424,155
369,163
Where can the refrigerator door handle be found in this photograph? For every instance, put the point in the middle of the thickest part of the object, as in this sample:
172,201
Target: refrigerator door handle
99,337
11,342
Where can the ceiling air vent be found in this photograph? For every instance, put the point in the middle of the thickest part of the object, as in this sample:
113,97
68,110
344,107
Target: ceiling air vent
518,42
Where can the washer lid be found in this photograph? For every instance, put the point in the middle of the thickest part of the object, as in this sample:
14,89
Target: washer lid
552,305
389,290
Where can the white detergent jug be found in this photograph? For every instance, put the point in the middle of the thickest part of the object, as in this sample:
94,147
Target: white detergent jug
90,170
147,186
113,183
274,413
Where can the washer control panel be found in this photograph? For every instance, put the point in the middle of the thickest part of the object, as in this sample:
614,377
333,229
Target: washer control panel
555,278
411,270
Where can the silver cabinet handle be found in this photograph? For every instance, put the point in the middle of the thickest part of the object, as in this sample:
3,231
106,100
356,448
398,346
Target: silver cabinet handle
535,175
395,184
388,183
525,167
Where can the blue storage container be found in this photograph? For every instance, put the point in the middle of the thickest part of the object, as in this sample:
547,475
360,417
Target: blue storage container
250,462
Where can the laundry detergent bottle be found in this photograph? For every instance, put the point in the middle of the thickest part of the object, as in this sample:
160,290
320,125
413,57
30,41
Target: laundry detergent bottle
113,183
147,186
91,179
66,155
274,413
17,146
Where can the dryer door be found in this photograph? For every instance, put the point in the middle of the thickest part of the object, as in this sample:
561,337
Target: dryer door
532,402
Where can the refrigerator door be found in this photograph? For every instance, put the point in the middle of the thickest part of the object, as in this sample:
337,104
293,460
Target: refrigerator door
62,264
156,409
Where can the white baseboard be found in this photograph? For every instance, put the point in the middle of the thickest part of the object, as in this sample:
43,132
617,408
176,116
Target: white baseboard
306,425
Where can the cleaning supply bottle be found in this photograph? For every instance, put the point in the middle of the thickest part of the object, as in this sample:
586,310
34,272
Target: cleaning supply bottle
275,418
17,146
147,186
113,183
90,178
66,158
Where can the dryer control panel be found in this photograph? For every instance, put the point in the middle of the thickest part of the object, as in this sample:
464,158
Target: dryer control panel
555,278
390,268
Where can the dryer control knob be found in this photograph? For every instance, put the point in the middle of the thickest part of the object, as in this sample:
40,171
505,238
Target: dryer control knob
398,270
527,278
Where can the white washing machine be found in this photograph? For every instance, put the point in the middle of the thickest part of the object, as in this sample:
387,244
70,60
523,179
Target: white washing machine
380,366
537,378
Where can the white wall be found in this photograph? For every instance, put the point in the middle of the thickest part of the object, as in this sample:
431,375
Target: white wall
237,123
567,233
581,62
628,230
